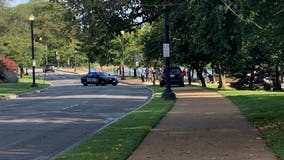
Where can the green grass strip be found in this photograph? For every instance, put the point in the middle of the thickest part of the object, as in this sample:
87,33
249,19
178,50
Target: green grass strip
118,140
265,109
23,86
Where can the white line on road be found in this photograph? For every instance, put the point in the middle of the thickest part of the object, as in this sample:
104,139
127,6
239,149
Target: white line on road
75,105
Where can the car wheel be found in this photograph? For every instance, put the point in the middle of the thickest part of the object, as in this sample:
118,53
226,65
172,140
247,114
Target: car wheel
114,83
161,84
85,83
103,83
182,84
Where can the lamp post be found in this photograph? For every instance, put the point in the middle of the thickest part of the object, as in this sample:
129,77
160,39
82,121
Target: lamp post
31,20
57,58
168,93
122,55
75,58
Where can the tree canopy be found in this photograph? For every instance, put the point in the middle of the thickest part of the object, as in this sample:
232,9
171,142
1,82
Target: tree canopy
232,37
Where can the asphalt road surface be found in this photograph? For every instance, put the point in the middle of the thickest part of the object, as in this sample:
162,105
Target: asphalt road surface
38,126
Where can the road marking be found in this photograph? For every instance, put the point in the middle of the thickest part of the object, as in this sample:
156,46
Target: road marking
75,105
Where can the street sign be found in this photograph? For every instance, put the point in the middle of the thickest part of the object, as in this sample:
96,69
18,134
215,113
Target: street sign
166,50
33,63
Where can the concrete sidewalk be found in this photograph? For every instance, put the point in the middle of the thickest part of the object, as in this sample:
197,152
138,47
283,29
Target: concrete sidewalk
203,125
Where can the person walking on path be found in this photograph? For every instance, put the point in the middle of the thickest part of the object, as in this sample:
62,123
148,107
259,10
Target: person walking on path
203,125
142,75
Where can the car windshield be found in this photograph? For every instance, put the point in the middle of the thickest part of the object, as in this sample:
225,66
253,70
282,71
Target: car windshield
174,71
103,74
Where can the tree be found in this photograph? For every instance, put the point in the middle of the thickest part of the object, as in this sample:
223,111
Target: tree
152,40
48,30
102,21
260,31
18,49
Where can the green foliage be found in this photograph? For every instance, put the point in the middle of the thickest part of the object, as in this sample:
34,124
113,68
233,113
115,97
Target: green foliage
51,33
118,140
152,40
19,50
3,19
101,22
224,34
129,44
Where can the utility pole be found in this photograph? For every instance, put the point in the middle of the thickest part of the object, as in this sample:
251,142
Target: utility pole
168,93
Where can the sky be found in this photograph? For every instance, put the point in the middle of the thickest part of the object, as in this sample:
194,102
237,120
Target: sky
14,3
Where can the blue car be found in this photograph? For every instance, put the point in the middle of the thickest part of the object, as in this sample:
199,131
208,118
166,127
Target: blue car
98,78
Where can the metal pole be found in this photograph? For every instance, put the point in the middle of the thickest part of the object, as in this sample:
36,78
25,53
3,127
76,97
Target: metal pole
89,64
33,53
168,93
122,58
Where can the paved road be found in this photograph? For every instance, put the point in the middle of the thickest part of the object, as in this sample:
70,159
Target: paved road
38,126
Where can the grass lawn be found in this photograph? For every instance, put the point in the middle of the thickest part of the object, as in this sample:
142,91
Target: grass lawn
266,110
23,86
119,140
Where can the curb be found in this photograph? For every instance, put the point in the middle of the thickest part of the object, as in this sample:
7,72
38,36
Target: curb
23,94
110,123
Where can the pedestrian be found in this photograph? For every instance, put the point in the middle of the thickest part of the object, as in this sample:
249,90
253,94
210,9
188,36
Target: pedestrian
147,74
154,71
142,75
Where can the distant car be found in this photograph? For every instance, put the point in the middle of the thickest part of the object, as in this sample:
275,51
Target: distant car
49,68
98,78
176,77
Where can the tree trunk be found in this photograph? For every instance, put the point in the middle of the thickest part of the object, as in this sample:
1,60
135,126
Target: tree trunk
135,73
213,74
189,76
277,84
251,78
154,79
222,81
27,73
281,71
200,77
21,71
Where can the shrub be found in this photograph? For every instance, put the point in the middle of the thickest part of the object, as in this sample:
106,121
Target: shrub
8,70
8,63
2,74
10,77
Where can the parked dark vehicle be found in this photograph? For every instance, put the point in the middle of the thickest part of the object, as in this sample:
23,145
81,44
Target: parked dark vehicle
176,77
98,78
49,68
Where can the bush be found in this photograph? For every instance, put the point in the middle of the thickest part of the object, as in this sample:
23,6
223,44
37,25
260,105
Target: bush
8,70
8,64
2,74
11,77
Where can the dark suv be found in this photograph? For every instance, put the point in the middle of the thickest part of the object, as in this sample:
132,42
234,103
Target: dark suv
49,68
176,77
